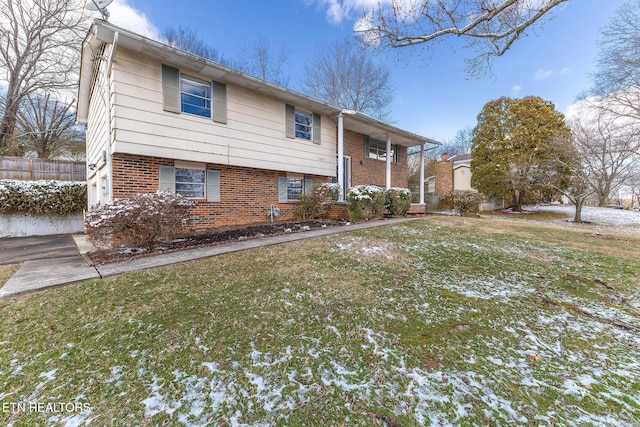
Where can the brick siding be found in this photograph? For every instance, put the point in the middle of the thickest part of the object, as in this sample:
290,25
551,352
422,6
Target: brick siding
246,194
366,171
444,177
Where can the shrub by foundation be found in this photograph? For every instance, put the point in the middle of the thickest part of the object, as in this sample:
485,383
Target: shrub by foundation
316,203
139,221
365,202
398,201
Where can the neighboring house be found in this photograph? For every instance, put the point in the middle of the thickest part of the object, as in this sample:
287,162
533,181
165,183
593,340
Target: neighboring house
453,174
159,118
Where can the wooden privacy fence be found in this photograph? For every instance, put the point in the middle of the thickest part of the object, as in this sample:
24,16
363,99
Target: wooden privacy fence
22,169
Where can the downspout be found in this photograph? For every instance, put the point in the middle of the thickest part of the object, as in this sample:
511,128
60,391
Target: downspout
108,113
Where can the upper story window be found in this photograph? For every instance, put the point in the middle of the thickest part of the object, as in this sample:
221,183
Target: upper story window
182,93
195,96
302,125
376,149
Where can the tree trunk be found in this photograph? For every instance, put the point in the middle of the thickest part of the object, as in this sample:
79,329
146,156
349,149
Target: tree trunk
11,108
8,125
578,216
602,200
518,197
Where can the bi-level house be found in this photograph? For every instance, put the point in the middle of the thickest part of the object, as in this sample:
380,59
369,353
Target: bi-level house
159,118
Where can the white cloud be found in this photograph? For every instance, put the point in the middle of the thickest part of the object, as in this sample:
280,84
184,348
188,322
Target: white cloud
542,74
340,10
126,16
515,89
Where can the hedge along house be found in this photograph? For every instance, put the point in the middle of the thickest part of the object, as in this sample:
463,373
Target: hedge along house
159,118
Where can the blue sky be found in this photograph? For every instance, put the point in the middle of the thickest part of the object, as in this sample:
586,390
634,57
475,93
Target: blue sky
434,98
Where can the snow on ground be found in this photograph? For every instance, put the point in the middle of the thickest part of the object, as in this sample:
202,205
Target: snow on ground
603,220
537,353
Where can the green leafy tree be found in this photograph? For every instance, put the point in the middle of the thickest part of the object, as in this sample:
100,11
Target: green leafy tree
513,148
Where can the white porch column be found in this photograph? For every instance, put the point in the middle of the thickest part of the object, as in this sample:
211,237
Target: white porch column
422,174
388,162
341,157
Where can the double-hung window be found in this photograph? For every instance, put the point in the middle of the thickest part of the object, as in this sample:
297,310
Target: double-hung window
191,180
304,121
290,187
295,188
302,124
182,93
376,149
195,96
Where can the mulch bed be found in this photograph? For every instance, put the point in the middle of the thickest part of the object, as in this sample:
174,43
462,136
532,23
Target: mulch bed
210,238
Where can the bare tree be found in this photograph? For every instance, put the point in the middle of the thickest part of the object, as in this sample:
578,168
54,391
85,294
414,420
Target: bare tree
260,60
574,182
617,79
188,40
48,127
343,75
39,51
607,145
489,27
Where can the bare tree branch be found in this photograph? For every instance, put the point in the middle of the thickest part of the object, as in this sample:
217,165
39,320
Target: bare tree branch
39,51
607,145
490,27
345,76
260,60
48,127
188,40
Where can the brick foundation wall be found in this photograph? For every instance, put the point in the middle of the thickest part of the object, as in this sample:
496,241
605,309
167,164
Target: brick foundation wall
245,193
366,171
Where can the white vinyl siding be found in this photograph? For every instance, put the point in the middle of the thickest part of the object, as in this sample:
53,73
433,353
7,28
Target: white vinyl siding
254,135
98,136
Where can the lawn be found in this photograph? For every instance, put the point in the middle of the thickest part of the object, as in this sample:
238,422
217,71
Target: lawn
441,321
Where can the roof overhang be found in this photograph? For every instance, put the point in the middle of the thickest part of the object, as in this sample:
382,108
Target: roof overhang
104,32
366,125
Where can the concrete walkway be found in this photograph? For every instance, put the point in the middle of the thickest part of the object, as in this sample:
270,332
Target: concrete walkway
47,273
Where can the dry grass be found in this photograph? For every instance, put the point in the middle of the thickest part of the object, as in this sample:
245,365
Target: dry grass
445,321
6,271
